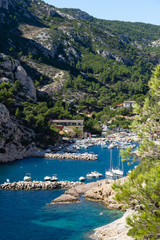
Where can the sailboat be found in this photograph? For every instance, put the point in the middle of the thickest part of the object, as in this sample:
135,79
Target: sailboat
118,171
110,173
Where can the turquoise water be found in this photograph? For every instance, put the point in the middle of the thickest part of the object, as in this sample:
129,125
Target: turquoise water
27,215
65,169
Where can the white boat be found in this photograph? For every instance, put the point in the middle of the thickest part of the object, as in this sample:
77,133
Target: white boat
54,178
90,175
47,178
112,145
27,177
82,179
110,173
97,174
94,174
118,171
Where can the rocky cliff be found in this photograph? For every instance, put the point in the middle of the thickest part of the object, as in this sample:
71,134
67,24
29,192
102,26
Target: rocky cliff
11,70
16,141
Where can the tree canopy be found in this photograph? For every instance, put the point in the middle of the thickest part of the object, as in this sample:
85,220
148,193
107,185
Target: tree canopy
142,190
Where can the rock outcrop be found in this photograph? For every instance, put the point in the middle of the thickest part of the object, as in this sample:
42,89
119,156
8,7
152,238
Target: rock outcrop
100,191
116,230
104,193
13,138
11,70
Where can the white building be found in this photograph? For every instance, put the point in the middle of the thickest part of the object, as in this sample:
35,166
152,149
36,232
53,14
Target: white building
129,104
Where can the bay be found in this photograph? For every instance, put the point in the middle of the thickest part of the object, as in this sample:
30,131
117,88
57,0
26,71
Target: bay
27,215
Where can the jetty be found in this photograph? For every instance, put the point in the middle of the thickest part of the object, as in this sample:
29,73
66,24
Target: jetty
39,185
71,156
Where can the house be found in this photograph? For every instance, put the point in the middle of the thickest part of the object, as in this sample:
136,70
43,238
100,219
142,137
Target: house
129,104
69,125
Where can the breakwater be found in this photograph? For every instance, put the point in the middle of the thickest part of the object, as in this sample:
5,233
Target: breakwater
39,185
72,156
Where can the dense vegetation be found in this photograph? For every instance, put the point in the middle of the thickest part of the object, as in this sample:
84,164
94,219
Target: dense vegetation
104,62
142,190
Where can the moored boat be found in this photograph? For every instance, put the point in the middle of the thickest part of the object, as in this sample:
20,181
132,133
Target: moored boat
54,178
27,177
82,179
47,178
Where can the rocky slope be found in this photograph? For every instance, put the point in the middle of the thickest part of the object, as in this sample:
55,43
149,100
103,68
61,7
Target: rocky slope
63,39
67,54
11,70
16,141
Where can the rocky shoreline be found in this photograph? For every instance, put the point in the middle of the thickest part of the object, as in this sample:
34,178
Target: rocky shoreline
100,191
116,230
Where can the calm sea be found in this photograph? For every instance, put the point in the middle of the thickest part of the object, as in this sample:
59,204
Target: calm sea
27,215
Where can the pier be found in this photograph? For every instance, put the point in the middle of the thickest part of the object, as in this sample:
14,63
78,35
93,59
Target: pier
39,185
72,156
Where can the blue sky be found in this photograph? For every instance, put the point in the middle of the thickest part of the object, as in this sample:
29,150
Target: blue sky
147,11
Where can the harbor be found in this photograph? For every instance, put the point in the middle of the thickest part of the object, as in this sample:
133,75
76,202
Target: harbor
39,192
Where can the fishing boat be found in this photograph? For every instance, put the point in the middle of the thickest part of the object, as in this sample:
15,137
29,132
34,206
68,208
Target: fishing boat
110,173
27,177
82,179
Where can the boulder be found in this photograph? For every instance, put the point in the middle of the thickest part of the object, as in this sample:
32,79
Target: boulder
65,198
25,81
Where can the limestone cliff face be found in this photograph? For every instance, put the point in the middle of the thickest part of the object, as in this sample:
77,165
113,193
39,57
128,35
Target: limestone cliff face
16,141
11,70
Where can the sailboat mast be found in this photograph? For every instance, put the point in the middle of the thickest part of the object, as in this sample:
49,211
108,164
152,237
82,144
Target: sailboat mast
111,159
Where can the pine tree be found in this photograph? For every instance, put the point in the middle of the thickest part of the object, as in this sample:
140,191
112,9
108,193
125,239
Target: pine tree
142,190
